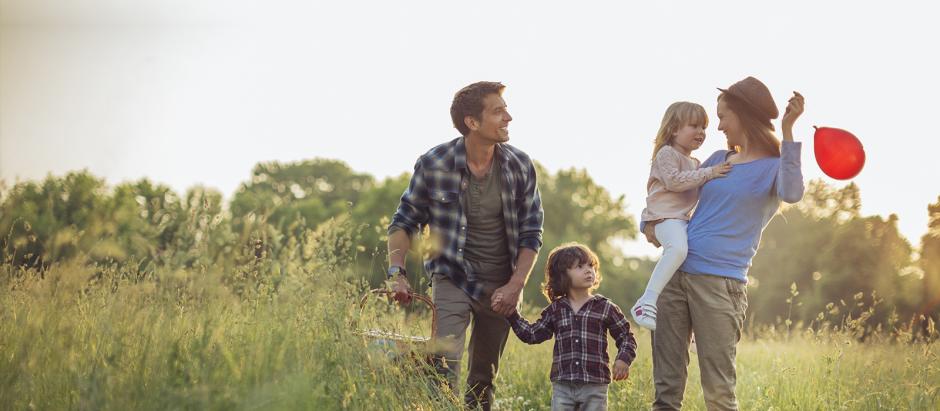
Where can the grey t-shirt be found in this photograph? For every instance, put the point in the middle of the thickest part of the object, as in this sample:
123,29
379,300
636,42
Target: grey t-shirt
487,246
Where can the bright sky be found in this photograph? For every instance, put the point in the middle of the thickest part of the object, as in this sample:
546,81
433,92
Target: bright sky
190,92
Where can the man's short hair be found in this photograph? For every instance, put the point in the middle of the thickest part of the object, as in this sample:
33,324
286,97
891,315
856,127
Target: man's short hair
469,102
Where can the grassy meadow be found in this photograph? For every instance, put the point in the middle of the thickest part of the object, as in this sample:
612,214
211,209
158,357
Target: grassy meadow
83,336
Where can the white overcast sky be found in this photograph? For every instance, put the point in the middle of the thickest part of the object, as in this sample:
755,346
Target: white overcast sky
198,92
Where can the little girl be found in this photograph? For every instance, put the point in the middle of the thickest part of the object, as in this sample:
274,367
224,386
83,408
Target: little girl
672,191
579,320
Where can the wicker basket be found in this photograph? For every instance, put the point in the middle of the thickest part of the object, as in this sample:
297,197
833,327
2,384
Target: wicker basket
398,346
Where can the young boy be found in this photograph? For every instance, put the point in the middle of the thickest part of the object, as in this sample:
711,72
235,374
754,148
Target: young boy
579,320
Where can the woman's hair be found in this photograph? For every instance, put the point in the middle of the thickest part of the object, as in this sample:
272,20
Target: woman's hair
758,129
678,115
563,257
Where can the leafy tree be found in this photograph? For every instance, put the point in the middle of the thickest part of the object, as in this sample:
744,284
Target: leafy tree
832,253
147,217
577,209
374,211
930,264
284,200
55,220
314,190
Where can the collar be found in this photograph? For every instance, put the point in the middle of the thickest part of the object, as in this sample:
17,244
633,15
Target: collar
460,154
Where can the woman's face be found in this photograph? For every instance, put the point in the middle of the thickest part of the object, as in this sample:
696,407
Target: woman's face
730,124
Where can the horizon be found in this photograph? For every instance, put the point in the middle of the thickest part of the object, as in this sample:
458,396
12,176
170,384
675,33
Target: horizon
187,93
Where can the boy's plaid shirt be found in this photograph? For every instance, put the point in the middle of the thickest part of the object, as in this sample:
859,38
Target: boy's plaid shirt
580,353
433,198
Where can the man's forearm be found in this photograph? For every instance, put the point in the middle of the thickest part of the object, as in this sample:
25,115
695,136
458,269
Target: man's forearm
398,245
524,263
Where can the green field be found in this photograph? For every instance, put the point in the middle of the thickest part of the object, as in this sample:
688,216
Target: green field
82,336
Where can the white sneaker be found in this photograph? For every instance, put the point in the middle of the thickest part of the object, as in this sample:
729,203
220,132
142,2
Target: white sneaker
644,315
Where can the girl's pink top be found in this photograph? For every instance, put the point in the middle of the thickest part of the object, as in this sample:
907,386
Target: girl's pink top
673,186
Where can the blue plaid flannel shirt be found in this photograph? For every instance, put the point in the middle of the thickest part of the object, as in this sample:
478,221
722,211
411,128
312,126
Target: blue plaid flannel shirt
433,199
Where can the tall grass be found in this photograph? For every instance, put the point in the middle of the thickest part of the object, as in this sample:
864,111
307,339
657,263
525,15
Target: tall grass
78,335
83,336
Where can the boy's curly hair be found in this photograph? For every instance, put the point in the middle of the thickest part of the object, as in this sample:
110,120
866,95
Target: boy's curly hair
562,258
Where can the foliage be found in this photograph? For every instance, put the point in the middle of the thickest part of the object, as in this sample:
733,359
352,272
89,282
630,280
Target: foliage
823,244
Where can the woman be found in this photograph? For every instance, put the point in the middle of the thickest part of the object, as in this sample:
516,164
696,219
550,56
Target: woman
707,295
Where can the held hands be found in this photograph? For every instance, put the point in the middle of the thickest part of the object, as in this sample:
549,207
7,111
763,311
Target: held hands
506,298
621,370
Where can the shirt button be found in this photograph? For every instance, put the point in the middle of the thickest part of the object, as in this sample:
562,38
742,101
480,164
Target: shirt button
460,250
576,340
463,228
577,363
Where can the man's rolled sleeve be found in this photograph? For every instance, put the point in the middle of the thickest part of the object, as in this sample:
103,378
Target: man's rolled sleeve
531,214
413,212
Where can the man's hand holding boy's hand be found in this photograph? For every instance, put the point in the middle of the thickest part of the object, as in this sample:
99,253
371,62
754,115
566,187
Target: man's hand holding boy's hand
506,298
621,370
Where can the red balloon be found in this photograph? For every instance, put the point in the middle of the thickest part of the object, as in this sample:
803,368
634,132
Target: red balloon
839,153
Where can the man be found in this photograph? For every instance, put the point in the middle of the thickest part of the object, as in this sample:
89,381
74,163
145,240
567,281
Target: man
479,197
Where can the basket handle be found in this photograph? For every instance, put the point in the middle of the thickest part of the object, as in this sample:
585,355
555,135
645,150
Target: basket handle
420,297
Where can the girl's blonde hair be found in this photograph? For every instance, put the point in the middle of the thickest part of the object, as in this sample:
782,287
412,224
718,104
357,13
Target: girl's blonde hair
678,115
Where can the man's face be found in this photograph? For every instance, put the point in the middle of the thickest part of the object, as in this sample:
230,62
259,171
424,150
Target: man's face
493,124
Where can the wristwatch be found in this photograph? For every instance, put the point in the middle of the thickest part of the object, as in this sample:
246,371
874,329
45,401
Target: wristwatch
395,270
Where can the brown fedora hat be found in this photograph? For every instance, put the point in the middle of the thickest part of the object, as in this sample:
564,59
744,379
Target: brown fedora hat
756,95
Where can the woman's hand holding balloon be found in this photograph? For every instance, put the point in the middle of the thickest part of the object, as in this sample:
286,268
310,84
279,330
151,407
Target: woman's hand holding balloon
794,109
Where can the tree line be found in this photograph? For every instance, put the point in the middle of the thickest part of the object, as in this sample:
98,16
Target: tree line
819,260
